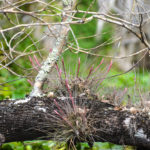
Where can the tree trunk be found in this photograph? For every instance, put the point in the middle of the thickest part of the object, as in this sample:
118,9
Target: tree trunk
89,121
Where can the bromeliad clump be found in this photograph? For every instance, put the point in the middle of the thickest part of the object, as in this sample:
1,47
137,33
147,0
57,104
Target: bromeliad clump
77,86
72,119
72,123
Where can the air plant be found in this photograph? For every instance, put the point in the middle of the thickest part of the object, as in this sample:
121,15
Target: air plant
76,86
72,118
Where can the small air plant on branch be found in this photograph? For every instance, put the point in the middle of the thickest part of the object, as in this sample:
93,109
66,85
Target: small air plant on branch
76,86
72,119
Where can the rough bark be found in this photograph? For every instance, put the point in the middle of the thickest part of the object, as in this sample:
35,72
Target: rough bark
35,118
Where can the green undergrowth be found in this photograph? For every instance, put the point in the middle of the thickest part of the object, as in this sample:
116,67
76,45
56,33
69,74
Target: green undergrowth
130,79
12,86
51,145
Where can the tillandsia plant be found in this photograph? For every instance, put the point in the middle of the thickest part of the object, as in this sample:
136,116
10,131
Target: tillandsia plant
72,120
77,85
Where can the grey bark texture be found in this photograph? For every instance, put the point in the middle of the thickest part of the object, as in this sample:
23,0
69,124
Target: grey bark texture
35,118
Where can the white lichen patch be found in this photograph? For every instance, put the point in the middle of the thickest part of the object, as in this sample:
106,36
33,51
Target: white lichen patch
127,122
22,101
40,109
140,134
63,98
43,73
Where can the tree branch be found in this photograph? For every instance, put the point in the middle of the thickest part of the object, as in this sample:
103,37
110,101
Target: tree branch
35,118
56,50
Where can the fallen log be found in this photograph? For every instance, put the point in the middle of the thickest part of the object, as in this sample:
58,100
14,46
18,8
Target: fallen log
88,121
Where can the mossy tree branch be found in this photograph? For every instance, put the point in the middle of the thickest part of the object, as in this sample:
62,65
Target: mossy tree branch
56,50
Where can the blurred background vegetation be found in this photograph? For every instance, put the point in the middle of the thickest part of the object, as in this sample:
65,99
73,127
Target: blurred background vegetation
15,87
